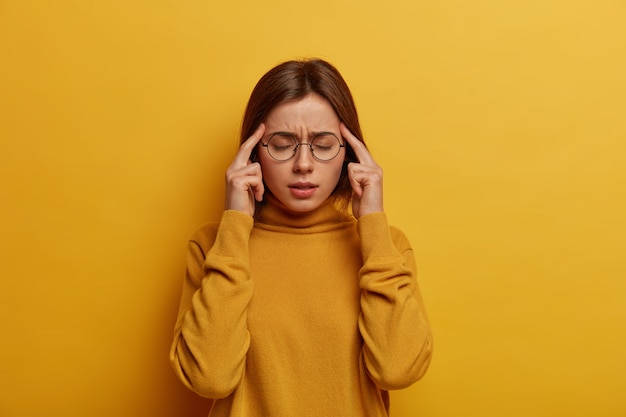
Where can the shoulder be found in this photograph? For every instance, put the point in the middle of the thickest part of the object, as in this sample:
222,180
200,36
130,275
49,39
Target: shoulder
377,225
232,225
399,238
204,236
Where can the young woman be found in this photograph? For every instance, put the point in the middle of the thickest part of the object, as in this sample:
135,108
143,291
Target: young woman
302,301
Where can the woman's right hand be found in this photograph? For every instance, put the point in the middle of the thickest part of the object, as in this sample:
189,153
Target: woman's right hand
244,181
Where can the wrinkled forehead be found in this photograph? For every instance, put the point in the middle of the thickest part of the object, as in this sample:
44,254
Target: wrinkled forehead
305,116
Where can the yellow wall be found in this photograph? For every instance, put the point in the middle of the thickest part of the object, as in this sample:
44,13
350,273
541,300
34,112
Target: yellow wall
500,125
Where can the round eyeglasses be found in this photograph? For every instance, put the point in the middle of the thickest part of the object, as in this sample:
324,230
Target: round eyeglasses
283,146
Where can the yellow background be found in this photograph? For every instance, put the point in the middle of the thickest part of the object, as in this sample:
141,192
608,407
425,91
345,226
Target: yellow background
500,126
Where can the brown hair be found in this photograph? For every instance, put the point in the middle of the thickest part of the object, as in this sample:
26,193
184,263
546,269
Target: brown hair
294,80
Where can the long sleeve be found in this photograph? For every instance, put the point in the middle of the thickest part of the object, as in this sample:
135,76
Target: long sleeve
393,323
211,338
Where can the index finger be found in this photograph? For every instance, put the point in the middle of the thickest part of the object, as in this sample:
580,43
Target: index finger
246,148
361,152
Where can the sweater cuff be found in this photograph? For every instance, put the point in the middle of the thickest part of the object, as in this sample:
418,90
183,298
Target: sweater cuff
233,234
375,236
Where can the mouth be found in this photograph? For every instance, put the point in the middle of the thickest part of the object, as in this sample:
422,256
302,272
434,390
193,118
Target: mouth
302,189
302,185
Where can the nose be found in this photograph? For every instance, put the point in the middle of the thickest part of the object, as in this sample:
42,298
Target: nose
303,160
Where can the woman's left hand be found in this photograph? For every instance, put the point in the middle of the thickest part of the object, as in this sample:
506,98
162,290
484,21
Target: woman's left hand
366,178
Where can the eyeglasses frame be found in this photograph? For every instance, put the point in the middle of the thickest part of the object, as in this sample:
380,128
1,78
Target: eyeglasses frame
298,144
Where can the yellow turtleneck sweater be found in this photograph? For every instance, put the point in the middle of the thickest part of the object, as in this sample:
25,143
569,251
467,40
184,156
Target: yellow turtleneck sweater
294,316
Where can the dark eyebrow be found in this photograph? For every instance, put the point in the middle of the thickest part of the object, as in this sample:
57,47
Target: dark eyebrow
282,133
297,137
316,134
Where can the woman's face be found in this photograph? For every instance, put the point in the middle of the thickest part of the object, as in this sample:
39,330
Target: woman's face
301,183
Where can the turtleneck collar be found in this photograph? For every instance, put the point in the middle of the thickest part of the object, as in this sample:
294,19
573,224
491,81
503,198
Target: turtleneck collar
275,216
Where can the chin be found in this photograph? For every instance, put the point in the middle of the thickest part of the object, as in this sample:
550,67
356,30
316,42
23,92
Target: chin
301,206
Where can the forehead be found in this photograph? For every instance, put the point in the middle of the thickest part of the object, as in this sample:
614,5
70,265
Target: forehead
312,112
